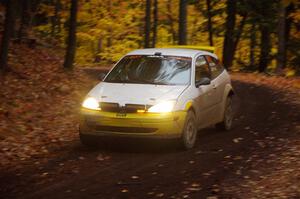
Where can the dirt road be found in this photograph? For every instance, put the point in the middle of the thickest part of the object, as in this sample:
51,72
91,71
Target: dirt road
148,169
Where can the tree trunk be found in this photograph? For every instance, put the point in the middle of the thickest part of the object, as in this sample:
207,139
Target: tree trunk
236,40
281,52
57,16
252,45
238,36
52,20
154,36
8,31
147,23
110,31
171,21
228,45
71,45
288,22
55,19
98,51
24,18
209,23
182,22
33,14
264,48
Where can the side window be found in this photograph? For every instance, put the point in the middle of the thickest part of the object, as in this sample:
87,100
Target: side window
215,66
201,69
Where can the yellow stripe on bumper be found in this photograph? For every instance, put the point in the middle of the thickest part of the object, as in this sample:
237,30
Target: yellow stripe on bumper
160,125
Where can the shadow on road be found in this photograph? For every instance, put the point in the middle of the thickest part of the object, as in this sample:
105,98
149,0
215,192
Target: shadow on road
139,145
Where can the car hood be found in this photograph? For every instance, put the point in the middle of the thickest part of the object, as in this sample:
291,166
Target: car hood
135,93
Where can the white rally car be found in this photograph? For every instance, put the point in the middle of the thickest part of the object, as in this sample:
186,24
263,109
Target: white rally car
159,93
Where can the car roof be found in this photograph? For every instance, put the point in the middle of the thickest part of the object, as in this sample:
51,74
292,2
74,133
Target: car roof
171,51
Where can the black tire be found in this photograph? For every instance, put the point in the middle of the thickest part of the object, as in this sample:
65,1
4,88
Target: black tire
226,124
189,134
87,140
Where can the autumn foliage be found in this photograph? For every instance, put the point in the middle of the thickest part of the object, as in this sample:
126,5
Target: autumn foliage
255,36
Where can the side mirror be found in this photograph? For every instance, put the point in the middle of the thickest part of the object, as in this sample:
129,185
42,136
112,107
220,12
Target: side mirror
101,76
203,81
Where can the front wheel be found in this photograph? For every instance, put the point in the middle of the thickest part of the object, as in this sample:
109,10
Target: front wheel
226,124
189,134
87,140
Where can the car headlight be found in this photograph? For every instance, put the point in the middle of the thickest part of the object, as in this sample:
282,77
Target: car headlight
163,107
91,103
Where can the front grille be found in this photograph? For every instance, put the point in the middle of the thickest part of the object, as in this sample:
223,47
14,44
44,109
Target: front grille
128,108
132,108
109,107
124,129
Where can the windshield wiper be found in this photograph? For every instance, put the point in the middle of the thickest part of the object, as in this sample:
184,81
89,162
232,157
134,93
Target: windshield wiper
139,82
164,83
119,81
156,83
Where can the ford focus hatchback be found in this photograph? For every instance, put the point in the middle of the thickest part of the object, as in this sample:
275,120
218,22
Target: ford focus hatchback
159,93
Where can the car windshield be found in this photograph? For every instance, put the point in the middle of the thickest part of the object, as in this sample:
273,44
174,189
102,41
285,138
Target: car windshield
147,69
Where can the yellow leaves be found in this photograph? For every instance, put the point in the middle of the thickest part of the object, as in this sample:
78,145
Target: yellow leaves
290,73
46,9
118,50
116,24
164,37
295,16
288,2
43,28
85,36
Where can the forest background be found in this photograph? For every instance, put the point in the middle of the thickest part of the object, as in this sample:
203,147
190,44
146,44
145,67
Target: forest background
248,35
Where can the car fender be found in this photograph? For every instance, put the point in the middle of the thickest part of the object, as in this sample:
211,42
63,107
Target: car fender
227,91
189,105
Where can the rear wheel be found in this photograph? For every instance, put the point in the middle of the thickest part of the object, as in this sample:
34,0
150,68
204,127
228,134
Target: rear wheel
189,134
226,124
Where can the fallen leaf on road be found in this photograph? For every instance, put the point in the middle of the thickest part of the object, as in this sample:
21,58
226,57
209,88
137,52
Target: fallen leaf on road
199,152
237,140
81,158
160,195
212,197
194,188
100,157
195,185
185,182
124,190
206,174
135,177
44,174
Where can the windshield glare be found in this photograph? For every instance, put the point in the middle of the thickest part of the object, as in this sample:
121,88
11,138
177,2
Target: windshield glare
146,69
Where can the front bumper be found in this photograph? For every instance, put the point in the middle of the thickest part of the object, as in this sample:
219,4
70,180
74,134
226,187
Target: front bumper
152,125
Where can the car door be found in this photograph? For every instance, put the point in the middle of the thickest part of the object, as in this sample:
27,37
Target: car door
204,102
218,83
